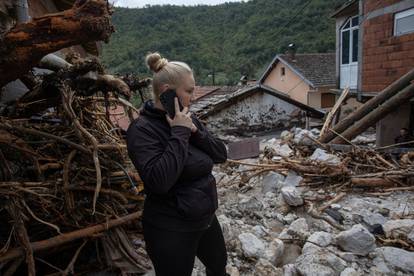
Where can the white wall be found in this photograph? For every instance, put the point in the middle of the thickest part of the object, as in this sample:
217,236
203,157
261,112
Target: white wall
259,112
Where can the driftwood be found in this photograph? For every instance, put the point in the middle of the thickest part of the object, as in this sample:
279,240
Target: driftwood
26,44
373,103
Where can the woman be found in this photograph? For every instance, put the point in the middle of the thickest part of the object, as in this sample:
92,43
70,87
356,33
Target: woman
175,157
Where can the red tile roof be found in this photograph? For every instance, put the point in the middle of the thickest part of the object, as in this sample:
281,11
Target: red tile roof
200,91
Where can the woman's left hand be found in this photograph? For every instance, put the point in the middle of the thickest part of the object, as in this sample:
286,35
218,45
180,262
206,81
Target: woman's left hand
194,128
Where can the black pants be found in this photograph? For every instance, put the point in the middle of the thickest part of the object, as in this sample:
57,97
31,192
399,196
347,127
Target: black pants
173,253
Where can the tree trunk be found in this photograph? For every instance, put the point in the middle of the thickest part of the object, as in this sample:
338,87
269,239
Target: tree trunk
387,93
26,44
69,237
374,116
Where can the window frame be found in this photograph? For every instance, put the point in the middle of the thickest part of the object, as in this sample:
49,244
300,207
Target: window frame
401,15
351,28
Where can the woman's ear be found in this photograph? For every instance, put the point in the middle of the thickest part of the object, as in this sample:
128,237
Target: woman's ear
164,88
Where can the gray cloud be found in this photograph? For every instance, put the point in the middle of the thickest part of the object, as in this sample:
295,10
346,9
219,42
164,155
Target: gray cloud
141,3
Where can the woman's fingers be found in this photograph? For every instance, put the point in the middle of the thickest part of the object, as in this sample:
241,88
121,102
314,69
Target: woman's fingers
185,110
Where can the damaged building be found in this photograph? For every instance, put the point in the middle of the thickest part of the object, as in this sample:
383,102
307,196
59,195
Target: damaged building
247,109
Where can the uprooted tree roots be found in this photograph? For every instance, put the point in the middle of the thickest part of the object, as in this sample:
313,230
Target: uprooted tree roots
64,177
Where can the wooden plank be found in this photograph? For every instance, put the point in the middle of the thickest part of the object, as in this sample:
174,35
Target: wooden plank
333,111
374,116
373,103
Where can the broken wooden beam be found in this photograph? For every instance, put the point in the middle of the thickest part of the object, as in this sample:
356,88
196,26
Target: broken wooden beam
374,116
332,113
387,93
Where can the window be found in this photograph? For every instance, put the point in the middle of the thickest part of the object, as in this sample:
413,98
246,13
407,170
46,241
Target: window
404,22
282,71
349,41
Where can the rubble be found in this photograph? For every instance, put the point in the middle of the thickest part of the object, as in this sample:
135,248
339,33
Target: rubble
272,182
274,251
322,156
394,259
292,196
357,240
399,229
333,225
251,245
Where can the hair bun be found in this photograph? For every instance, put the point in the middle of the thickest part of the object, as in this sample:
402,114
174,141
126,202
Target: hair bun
155,62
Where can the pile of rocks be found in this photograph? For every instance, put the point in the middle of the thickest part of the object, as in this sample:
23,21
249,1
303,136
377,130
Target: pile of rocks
270,230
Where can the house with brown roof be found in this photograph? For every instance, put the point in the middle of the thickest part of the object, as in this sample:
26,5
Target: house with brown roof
306,78
246,109
374,48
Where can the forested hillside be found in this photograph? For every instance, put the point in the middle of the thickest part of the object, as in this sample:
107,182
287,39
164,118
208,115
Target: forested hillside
231,39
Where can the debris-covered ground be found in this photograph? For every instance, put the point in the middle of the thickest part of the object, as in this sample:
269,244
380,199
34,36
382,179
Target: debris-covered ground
303,211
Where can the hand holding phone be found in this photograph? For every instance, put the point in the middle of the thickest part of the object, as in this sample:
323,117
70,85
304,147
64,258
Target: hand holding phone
173,106
181,118
167,100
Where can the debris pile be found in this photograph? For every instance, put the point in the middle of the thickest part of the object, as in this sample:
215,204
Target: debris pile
304,209
66,186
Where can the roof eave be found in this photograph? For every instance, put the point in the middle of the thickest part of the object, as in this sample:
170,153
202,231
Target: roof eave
344,7
268,69
297,72
272,66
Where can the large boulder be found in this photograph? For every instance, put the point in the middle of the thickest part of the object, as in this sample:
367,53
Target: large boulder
320,263
318,240
251,245
398,229
299,229
292,179
391,259
274,252
250,204
292,196
357,240
321,155
272,182
302,137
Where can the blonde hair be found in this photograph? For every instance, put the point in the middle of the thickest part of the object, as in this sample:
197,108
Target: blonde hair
165,72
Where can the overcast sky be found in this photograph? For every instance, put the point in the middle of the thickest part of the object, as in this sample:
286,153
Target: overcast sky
141,3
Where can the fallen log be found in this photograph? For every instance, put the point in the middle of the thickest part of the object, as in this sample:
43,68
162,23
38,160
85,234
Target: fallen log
68,237
387,93
373,182
376,115
26,44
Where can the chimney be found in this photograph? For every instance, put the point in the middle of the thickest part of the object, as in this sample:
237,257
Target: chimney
292,51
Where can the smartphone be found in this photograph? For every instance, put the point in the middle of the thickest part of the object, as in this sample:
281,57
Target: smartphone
167,101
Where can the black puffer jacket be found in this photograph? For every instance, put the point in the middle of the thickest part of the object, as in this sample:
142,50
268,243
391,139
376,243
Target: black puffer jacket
175,166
